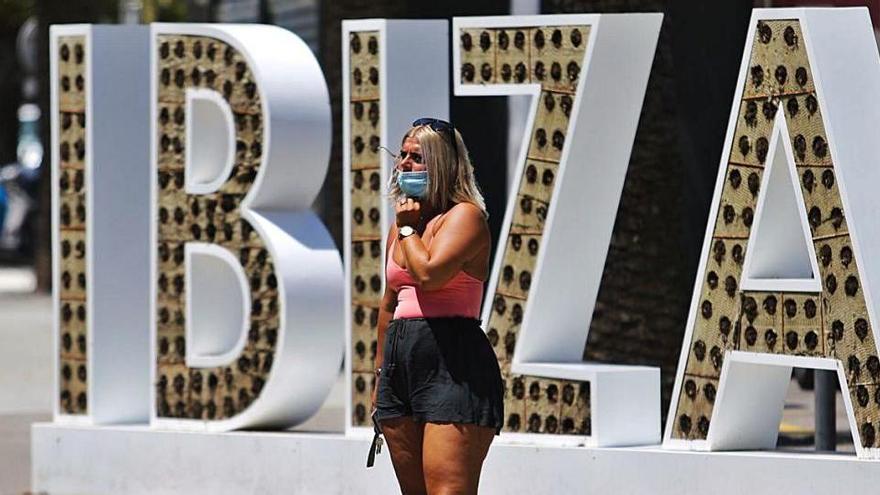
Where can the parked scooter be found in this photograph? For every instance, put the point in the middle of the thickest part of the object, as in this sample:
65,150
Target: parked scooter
18,190
18,209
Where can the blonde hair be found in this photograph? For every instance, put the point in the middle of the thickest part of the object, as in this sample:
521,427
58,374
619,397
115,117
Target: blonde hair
450,178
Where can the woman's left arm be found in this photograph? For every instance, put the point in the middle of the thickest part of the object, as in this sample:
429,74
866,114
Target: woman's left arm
460,237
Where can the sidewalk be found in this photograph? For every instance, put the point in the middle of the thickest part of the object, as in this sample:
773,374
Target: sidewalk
797,429
25,374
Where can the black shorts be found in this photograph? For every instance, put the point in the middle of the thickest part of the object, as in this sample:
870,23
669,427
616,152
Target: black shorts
440,370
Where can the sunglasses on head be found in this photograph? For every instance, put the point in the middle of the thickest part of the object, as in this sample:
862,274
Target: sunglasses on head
415,157
438,125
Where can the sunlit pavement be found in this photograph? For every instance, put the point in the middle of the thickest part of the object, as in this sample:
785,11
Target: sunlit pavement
796,430
25,373
26,386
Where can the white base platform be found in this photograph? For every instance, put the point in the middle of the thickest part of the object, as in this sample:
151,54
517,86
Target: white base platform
134,460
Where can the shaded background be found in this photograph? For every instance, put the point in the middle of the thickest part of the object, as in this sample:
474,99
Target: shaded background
649,274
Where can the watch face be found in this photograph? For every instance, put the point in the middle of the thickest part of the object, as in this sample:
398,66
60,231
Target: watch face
406,230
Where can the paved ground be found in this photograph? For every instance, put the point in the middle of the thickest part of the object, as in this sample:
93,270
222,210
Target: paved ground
25,374
796,431
26,386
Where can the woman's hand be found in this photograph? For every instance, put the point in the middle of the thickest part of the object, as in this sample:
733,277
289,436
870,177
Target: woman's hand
408,212
462,235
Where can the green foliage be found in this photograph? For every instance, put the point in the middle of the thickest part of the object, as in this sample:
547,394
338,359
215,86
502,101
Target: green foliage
14,12
164,10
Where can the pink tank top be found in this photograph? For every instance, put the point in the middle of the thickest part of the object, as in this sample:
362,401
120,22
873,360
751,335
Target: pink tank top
461,296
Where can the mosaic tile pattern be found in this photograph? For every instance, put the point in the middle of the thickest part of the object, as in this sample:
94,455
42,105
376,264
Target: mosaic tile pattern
73,365
552,56
366,203
834,323
222,392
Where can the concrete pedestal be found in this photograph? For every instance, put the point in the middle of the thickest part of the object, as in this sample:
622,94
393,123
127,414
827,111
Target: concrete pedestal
134,459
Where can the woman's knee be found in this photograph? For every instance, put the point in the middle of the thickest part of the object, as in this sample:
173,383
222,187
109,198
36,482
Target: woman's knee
449,476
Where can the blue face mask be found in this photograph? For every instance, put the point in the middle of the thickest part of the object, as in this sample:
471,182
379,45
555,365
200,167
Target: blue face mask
413,184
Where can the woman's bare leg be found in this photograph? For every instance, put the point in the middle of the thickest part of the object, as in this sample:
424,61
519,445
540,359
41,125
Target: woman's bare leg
404,437
452,457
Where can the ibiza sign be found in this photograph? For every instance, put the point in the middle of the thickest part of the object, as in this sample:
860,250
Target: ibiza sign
786,274
550,395
195,290
242,294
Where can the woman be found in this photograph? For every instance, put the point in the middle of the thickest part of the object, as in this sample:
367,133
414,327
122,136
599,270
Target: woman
439,393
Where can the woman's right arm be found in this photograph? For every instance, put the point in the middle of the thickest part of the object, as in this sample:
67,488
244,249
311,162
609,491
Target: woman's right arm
386,312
